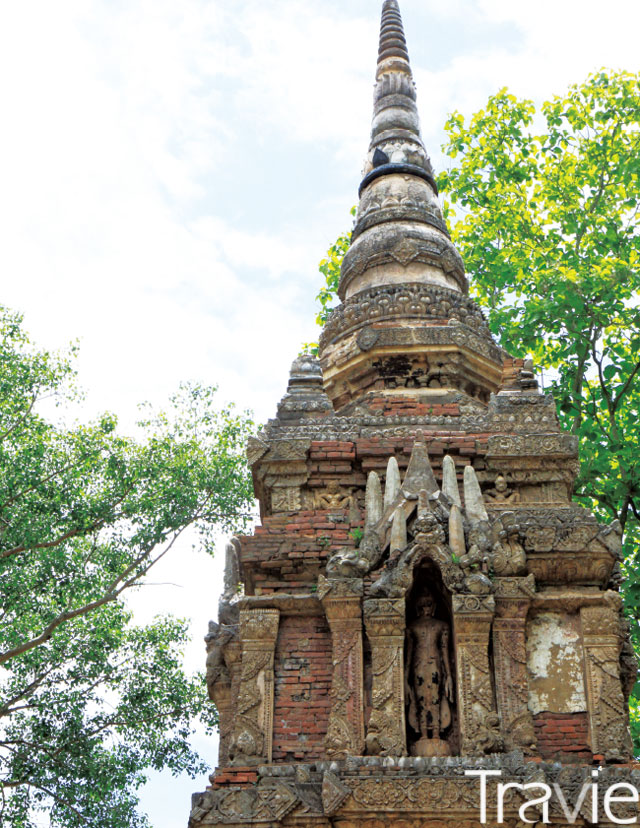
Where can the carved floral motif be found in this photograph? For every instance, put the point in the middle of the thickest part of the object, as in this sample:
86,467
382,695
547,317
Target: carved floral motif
605,698
252,733
345,732
385,624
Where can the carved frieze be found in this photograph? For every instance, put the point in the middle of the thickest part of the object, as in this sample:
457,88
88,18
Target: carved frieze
341,599
539,445
265,803
422,245
385,625
295,449
430,795
442,335
251,739
608,713
401,301
479,722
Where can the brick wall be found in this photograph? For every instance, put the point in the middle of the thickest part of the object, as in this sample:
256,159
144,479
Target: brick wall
563,736
406,407
234,776
303,668
289,550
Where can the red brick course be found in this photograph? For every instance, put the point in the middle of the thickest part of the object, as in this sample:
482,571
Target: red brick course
563,736
234,776
303,668
405,407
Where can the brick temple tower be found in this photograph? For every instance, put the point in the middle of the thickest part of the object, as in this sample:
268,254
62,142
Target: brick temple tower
422,598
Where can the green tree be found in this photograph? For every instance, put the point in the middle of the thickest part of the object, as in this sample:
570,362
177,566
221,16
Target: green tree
547,222
89,700
329,267
543,207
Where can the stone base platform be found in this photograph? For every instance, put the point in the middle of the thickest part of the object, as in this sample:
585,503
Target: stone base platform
415,792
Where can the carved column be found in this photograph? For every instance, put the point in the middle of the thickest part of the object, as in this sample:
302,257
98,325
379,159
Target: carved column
252,735
342,599
513,597
385,623
608,716
224,693
479,723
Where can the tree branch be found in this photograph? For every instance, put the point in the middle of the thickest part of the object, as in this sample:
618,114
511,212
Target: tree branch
117,586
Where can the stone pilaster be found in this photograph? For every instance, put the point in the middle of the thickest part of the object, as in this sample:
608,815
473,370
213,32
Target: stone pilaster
224,694
479,723
342,601
608,717
251,739
385,623
513,598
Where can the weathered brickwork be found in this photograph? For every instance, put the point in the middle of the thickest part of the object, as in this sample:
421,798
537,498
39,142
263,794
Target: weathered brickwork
234,776
563,737
303,670
511,369
290,550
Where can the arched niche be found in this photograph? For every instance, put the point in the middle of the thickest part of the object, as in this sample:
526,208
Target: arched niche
431,717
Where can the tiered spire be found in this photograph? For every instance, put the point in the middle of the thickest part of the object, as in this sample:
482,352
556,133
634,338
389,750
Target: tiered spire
395,132
392,40
400,235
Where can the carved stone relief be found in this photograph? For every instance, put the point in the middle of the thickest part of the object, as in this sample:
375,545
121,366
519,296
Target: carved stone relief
510,657
251,739
501,494
479,722
385,625
334,496
430,795
341,599
285,499
607,707
223,677
508,556
512,445
429,682
237,806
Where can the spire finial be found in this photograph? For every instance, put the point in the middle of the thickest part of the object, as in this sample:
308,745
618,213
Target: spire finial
400,235
392,40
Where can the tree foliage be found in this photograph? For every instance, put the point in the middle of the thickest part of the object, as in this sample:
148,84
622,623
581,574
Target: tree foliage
547,222
88,700
329,267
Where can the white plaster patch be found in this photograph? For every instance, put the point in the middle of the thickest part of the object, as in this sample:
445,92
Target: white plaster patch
554,662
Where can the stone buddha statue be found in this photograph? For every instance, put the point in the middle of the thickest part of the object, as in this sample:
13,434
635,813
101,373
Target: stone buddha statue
428,679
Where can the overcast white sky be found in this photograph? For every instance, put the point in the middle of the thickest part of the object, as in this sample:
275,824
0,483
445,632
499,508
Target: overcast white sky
172,170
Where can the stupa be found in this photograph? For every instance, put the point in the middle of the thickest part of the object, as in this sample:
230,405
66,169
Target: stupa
423,614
